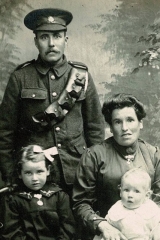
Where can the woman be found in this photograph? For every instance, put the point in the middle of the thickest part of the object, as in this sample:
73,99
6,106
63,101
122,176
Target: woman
102,166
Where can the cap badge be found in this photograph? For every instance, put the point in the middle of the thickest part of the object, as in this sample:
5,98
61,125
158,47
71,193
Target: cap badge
50,19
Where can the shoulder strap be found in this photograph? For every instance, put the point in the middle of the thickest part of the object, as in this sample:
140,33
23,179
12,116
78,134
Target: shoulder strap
24,64
79,65
76,85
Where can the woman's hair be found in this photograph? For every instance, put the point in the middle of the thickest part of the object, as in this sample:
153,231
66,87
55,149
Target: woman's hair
32,153
119,101
138,173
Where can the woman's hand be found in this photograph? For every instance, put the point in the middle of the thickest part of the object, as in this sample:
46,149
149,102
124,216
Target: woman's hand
109,232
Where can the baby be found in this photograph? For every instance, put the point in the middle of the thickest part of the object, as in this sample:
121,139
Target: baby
37,209
135,215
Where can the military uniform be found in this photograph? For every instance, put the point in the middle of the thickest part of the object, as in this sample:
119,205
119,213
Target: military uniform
30,90
37,85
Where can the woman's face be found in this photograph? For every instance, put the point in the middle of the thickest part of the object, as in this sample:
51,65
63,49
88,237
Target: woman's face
125,126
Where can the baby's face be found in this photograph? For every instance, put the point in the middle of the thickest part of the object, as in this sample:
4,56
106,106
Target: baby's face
34,174
133,192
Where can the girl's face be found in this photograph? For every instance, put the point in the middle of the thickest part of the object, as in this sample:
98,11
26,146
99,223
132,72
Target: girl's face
34,174
125,126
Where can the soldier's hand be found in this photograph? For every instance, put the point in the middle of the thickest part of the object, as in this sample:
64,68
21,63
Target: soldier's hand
109,232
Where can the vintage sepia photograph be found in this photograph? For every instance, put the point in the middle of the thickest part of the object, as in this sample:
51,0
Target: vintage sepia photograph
79,119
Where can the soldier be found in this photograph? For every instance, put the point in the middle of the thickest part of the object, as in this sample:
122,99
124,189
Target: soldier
50,102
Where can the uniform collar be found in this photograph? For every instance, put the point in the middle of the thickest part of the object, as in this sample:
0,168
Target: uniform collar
58,69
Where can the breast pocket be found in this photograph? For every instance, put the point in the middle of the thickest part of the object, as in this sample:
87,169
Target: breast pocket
34,94
33,100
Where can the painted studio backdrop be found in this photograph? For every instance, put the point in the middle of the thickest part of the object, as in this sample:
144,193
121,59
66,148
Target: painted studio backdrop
119,41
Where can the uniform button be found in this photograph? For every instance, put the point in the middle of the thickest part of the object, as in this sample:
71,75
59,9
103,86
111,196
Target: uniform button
84,147
57,129
55,110
52,77
94,218
54,94
33,95
59,145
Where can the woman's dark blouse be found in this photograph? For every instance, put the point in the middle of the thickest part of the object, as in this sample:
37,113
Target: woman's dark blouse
99,174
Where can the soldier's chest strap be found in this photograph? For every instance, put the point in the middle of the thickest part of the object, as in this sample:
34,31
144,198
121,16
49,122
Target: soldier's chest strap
56,112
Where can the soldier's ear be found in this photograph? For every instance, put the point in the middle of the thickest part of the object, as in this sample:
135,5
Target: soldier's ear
66,39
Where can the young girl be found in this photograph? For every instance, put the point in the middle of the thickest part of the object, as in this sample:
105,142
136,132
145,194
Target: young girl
37,209
135,215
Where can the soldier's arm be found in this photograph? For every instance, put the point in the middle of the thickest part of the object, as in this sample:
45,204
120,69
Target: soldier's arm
9,112
92,115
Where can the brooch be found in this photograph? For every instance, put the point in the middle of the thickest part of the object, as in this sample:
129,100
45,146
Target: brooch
129,158
39,196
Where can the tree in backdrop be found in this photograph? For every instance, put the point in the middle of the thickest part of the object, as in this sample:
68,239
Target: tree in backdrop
11,13
131,37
